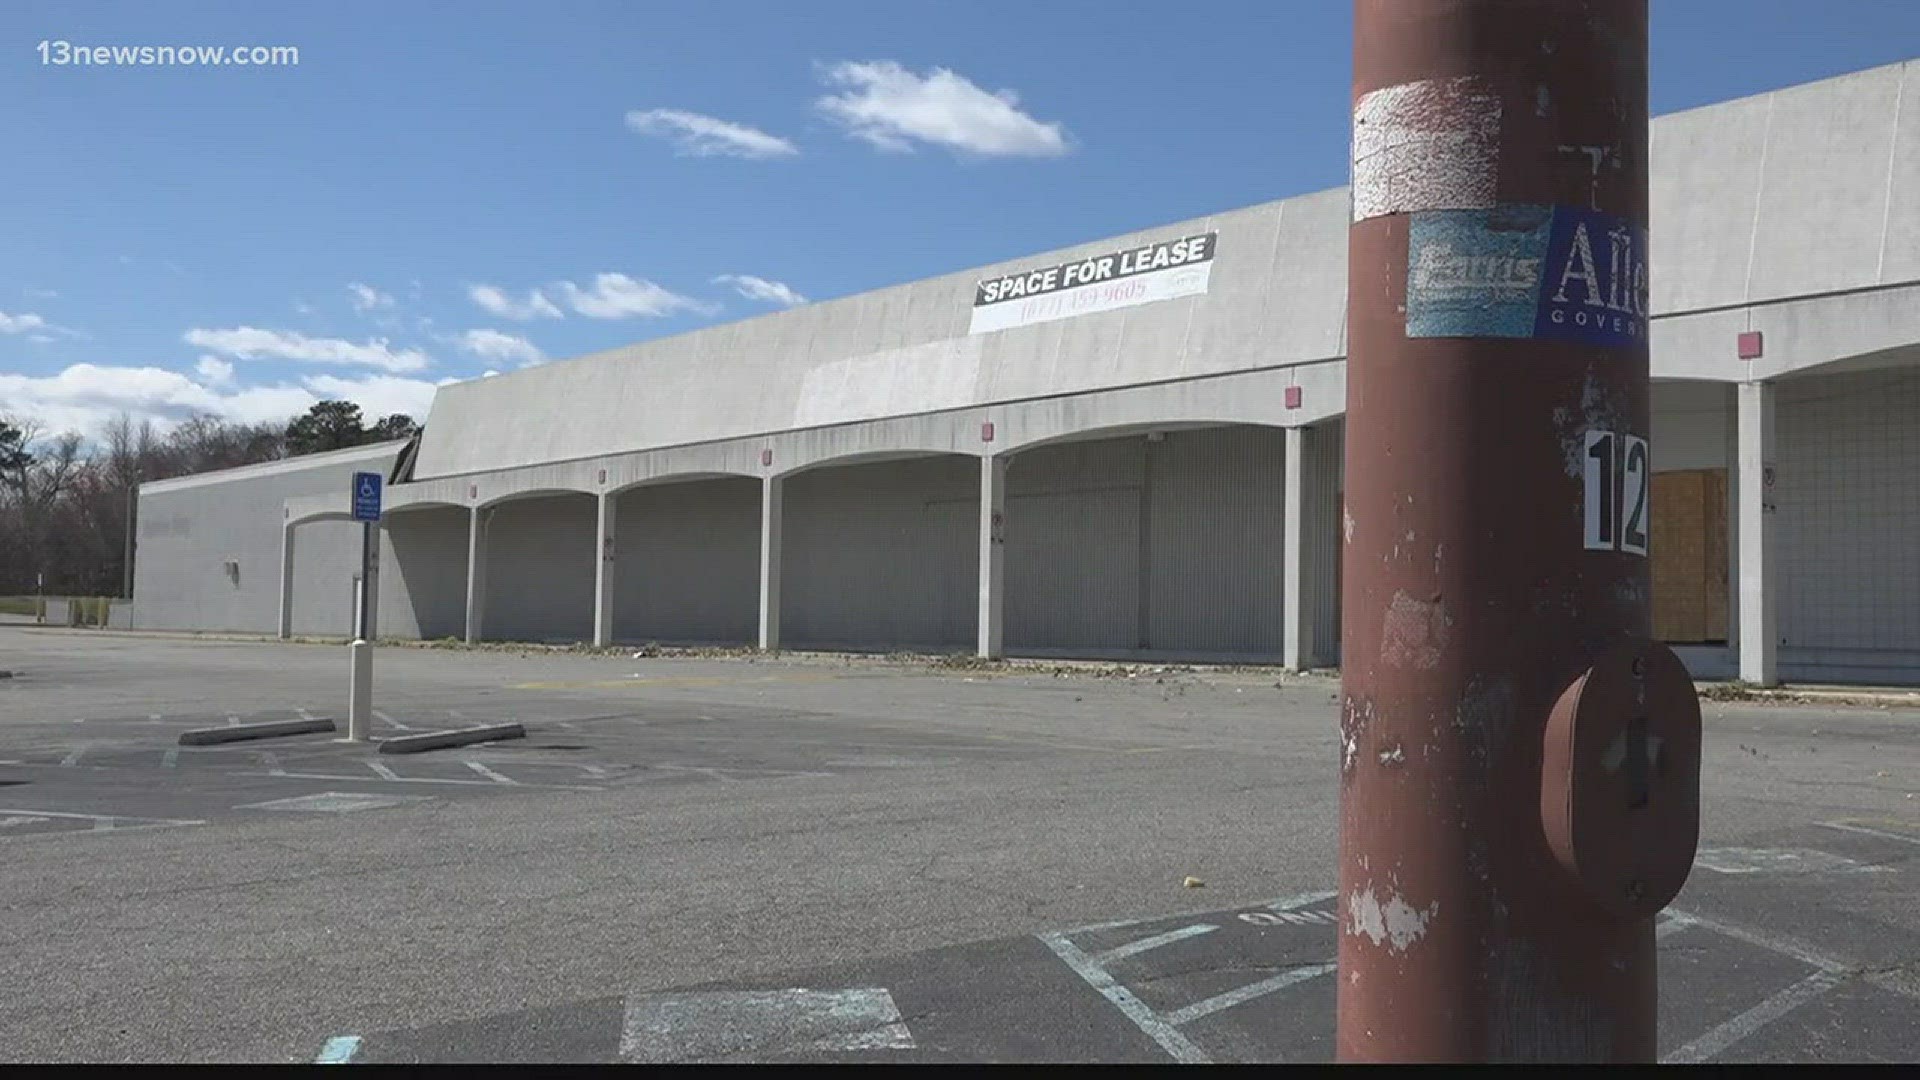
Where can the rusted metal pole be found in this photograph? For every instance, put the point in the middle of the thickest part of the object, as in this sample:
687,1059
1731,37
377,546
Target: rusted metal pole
1519,761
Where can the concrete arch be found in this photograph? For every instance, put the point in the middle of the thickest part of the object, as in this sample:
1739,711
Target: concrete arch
870,457
532,493
424,504
1295,396
1119,431
690,477
318,515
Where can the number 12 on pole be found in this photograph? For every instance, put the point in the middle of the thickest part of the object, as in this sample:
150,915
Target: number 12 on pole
1617,477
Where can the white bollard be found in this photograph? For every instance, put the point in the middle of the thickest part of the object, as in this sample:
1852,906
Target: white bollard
360,703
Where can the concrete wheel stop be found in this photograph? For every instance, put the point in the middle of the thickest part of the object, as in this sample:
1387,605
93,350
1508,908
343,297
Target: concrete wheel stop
268,730
438,740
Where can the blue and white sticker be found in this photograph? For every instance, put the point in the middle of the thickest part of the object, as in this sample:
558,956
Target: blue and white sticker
1552,272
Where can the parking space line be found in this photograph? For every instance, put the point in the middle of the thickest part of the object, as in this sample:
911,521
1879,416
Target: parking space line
425,780
1246,993
384,772
1166,1035
391,722
1883,834
102,822
339,1050
1725,1035
1302,900
1135,948
73,758
1784,946
171,758
490,774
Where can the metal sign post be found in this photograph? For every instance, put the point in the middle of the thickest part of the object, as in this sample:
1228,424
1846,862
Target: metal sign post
366,510
1519,761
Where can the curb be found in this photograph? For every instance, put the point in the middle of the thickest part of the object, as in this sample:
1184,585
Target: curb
237,732
1807,695
436,740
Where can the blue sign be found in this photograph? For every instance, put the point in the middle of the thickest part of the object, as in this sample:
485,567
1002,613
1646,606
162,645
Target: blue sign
366,496
1553,272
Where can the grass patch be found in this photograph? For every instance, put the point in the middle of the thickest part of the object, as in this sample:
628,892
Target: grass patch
19,605
1732,690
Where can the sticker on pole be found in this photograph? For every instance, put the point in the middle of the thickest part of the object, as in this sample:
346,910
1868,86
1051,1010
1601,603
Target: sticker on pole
1543,272
366,496
1615,492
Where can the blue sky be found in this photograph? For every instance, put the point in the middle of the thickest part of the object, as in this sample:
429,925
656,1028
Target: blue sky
427,197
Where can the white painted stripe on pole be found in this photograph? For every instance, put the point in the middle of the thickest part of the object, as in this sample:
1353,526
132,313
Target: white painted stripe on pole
1427,145
384,772
491,775
1864,830
1247,993
1135,948
339,1050
73,757
1740,1027
1143,1017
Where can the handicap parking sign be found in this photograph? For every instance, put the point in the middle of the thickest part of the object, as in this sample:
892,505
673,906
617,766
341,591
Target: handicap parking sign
366,496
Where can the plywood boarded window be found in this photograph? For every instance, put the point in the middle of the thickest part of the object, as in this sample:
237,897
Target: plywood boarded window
1689,553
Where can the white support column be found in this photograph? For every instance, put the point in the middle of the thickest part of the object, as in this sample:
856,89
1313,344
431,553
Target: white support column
1758,566
1297,627
993,556
771,490
603,573
476,574
286,580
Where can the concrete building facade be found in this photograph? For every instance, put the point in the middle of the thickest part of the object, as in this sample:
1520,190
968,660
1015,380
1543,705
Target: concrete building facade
1133,447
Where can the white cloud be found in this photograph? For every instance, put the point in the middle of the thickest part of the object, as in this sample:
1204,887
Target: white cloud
214,370
301,307
367,298
249,343
758,288
494,345
20,324
495,301
85,396
617,296
40,339
892,108
377,395
41,294
707,136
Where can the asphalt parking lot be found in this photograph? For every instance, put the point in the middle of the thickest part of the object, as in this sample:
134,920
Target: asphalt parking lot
815,859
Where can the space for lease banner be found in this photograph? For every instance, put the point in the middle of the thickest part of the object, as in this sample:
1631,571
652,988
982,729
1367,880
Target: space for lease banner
1140,275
